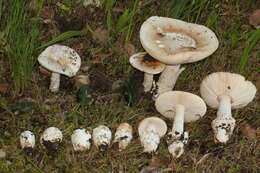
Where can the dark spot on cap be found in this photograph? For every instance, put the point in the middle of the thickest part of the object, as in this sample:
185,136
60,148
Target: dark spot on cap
229,87
103,147
150,61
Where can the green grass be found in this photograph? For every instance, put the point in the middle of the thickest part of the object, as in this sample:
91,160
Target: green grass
40,109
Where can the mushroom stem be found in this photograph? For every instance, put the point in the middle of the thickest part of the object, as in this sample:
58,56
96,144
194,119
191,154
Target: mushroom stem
178,122
168,79
224,124
148,82
55,82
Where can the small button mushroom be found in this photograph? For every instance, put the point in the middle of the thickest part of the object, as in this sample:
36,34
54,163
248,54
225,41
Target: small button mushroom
147,64
81,140
174,42
59,59
225,91
27,140
150,131
123,135
181,107
51,138
102,136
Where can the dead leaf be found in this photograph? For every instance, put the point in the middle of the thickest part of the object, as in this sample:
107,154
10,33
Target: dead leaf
4,87
101,35
254,18
248,131
130,49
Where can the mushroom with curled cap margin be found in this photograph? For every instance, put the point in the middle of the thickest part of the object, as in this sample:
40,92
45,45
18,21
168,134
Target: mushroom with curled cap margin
123,135
51,138
102,136
59,60
225,91
174,42
182,107
150,131
147,64
27,140
81,139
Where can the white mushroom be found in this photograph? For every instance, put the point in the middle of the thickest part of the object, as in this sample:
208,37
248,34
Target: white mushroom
81,140
181,107
59,60
150,131
225,91
123,135
27,140
102,136
150,66
51,138
174,42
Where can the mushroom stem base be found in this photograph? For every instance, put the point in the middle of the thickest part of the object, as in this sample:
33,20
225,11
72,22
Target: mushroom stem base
55,82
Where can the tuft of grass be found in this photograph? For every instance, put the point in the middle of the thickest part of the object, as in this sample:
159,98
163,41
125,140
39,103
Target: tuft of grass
21,34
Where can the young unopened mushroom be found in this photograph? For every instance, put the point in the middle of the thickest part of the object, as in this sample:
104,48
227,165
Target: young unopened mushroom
102,136
225,91
174,42
181,107
81,140
150,131
123,135
147,64
27,140
59,60
51,138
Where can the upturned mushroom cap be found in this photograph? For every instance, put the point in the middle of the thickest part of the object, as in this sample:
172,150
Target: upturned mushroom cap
194,106
145,63
173,41
60,59
154,123
234,85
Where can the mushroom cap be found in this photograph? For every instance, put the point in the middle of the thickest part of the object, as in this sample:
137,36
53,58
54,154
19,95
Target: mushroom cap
145,63
60,59
194,106
81,139
152,123
234,85
173,41
27,139
52,134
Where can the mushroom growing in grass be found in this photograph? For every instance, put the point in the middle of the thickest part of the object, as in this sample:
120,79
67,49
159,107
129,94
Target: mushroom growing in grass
59,60
181,107
225,91
147,64
27,140
102,136
174,42
51,138
81,139
123,135
150,131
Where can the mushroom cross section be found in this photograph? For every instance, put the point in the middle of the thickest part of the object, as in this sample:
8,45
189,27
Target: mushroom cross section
150,131
225,91
59,60
174,42
181,107
147,64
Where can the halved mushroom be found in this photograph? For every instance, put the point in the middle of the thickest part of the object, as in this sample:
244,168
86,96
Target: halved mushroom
182,107
174,42
147,64
59,60
123,135
27,140
225,91
81,140
102,136
51,138
150,131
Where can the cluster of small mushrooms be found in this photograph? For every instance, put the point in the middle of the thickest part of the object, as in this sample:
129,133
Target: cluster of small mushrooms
168,43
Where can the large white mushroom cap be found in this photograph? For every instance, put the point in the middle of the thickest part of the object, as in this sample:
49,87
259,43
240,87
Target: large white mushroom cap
51,135
81,139
102,136
195,107
152,123
233,85
145,63
173,41
60,59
